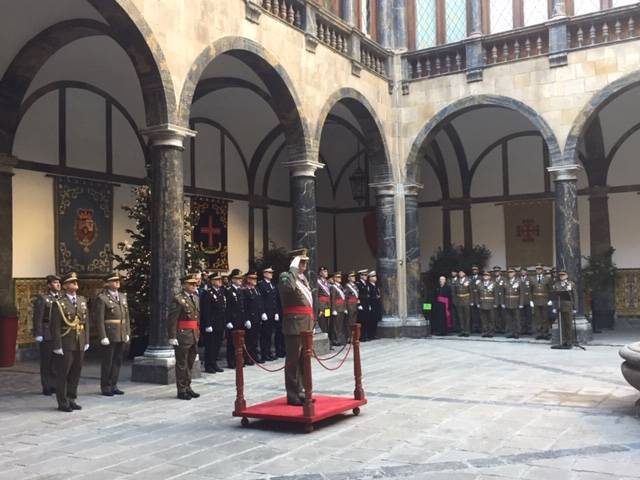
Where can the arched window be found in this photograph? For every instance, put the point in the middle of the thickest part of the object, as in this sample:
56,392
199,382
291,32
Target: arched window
440,21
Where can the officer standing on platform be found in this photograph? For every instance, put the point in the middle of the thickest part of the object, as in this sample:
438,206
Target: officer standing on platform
184,333
70,337
213,304
488,303
324,299
111,314
462,301
297,309
338,311
541,303
271,301
565,306
375,305
364,307
475,279
42,333
256,316
512,302
526,318
236,315
351,291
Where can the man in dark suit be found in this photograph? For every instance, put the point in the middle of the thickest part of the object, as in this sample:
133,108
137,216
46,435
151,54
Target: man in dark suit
256,315
364,307
271,302
236,314
213,305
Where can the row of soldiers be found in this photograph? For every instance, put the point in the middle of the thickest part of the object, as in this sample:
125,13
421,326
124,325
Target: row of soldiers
61,328
341,306
514,301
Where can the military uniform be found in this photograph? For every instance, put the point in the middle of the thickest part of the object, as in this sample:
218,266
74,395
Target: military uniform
184,326
566,305
111,314
526,313
453,284
500,316
462,301
540,297
364,307
513,299
271,301
213,304
70,337
475,311
338,313
297,310
351,291
236,315
42,331
488,303
254,308
375,307
324,304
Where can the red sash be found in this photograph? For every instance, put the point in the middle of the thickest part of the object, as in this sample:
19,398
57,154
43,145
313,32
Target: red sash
353,300
301,310
447,309
339,301
323,298
188,324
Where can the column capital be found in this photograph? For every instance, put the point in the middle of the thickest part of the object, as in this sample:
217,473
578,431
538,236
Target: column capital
412,189
303,168
167,135
563,173
7,163
387,189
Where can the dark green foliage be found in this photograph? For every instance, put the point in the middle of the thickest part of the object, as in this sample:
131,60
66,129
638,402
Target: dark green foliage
454,257
600,272
276,258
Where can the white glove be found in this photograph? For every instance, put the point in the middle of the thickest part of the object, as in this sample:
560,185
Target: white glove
104,341
575,311
173,342
39,338
58,351
531,303
521,306
86,347
360,307
208,329
247,324
503,306
472,304
276,317
335,313
495,306
554,311
369,307
230,326
126,339
549,303
264,317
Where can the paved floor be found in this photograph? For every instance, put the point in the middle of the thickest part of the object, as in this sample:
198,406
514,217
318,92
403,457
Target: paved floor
439,409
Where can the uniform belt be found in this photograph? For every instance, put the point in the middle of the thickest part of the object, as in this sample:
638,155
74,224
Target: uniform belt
300,310
117,320
353,300
539,294
462,294
323,298
188,324
513,296
487,298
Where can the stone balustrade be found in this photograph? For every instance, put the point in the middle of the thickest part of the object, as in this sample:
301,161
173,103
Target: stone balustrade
608,26
433,62
515,45
289,11
373,57
332,35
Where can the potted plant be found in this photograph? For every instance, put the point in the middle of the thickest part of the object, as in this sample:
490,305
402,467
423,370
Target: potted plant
8,334
599,277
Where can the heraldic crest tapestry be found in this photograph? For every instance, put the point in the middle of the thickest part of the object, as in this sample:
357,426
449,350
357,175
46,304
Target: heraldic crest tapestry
84,226
210,224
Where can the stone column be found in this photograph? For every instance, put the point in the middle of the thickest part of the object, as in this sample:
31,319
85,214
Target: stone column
558,26
167,248
392,24
303,200
412,253
349,12
7,164
473,47
567,237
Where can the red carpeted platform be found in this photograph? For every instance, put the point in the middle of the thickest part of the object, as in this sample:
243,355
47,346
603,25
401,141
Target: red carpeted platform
325,407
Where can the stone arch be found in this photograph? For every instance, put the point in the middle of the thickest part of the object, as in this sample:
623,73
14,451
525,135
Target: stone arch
474,102
597,102
285,101
376,148
138,43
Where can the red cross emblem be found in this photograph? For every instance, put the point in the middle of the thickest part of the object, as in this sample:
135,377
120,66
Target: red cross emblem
528,230
211,231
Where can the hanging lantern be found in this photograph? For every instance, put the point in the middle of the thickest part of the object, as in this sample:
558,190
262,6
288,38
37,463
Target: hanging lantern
358,181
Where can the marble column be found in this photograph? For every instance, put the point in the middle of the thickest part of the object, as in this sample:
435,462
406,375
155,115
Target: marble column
7,164
558,28
349,12
392,24
412,252
567,236
303,200
600,242
473,47
167,247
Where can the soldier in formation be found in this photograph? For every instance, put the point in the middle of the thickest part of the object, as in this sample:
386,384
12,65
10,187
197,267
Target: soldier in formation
338,311
213,307
462,301
324,299
565,305
42,332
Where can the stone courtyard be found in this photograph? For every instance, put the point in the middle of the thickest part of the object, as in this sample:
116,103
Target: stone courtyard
438,408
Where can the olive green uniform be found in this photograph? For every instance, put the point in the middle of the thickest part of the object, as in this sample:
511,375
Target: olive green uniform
565,309
324,305
487,302
513,299
41,328
540,287
353,301
462,301
69,332
184,325
499,313
111,314
339,315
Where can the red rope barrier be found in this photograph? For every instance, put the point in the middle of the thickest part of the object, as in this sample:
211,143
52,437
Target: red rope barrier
339,365
335,354
259,364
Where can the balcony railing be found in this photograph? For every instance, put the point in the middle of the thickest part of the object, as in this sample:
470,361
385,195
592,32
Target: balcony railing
437,61
609,26
515,45
322,27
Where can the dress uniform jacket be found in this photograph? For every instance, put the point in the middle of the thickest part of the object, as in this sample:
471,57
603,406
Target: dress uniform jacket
565,306
184,325
375,309
254,308
351,292
338,315
540,290
70,324
513,294
324,304
111,314
42,328
236,314
270,298
212,310
364,307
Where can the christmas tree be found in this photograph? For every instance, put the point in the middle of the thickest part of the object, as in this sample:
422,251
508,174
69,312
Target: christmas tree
135,257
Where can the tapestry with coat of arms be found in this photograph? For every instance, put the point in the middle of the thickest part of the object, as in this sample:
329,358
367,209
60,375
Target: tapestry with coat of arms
210,227
84,226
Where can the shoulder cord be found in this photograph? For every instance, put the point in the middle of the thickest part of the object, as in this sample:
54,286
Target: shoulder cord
71,325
